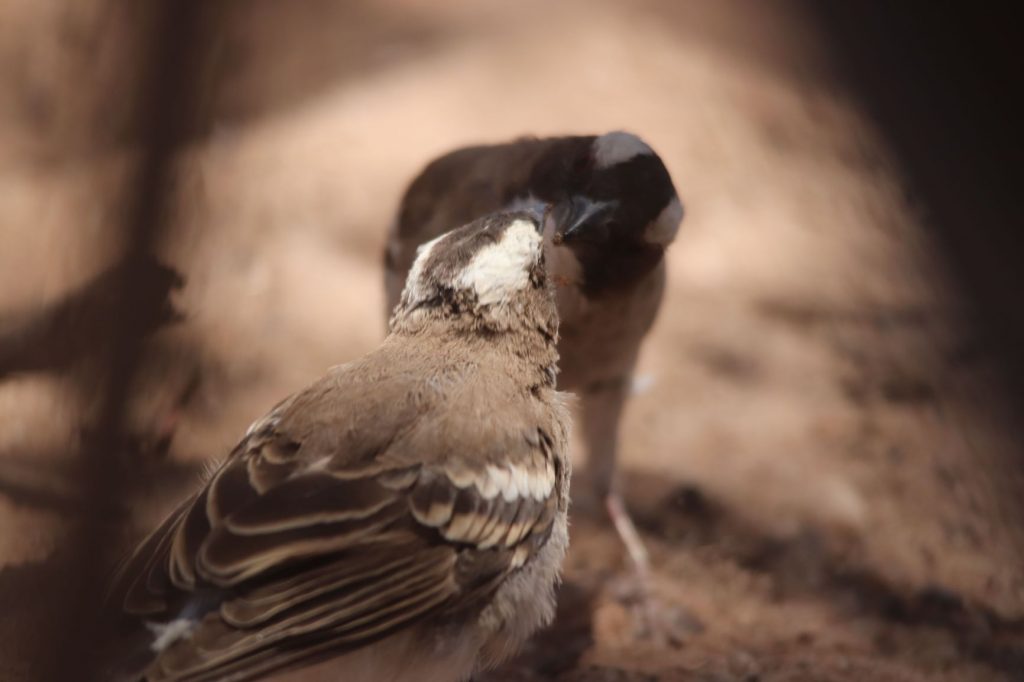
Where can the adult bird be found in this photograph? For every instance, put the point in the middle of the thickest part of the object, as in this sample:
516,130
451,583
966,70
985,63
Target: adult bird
401,519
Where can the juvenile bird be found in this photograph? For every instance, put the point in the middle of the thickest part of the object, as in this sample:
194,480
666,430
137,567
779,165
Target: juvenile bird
613,211
401,519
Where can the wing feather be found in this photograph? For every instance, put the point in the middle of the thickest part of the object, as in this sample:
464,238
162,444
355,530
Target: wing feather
296,554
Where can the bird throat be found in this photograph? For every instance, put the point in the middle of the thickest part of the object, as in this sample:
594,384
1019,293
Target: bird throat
609,268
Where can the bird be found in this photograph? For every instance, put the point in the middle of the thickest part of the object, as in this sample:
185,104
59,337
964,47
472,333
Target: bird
612,211
402,518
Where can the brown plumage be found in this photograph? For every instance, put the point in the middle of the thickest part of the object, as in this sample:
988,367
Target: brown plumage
613,211
404,516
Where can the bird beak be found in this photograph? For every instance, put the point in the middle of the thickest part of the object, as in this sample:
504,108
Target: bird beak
572,216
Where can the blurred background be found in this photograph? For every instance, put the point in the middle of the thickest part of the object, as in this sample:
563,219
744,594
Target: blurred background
822,454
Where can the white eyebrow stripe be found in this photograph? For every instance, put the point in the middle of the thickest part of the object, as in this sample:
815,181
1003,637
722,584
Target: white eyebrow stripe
662,230
412,290
616,147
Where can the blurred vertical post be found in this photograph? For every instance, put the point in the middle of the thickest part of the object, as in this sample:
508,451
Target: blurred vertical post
937,79
165,85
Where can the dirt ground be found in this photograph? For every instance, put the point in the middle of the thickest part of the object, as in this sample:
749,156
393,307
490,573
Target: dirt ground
815,451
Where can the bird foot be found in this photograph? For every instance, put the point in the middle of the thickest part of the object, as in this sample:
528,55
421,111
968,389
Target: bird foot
628,533
655,619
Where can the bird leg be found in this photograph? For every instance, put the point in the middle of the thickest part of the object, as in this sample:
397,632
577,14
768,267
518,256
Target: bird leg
629,535
602,405
602,408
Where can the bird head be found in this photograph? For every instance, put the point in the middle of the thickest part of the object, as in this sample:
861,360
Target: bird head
489,272
612,189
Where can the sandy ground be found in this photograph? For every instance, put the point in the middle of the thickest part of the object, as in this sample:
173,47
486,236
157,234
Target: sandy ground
815,451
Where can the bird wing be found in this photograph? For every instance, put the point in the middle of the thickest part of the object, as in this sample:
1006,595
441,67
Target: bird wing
286,555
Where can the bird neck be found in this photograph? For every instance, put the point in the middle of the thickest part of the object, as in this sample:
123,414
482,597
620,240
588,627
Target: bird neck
526,343
605,269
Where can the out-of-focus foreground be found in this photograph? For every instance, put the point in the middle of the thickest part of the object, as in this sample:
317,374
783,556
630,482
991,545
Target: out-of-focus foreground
816,452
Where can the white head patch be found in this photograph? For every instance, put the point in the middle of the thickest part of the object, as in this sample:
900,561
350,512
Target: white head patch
498,270
662,229
617,147
412,280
